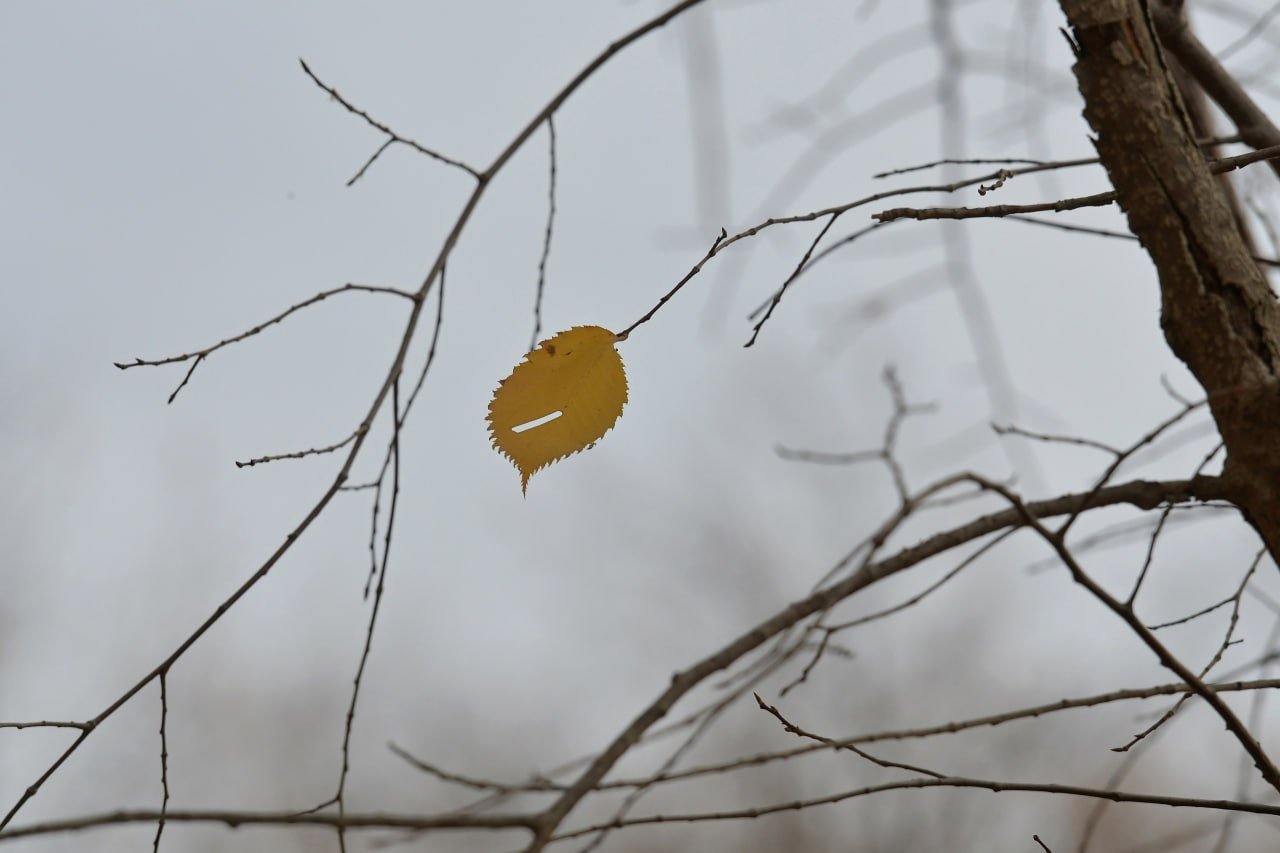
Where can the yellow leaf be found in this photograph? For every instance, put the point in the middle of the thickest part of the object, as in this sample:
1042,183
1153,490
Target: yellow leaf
562,398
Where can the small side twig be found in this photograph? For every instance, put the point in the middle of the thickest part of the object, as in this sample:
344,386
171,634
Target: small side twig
1056,540
1159,528
48,724
1049,438
340,797
301,454
716,246
198,356
392,136
475,784
969,161
164,759
1227,642
777,296
1217,167
546,237
792,728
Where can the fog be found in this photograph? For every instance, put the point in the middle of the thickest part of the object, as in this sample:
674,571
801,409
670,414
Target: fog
171,177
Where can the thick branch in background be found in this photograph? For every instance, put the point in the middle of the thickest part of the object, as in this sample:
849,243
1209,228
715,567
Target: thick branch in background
1196,102
1218,312
1254,126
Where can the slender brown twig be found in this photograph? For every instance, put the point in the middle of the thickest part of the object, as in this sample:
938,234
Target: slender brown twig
1218,167
392,136
164,760
546,237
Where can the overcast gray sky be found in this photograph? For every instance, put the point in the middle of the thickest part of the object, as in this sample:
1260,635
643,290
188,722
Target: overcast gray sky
169,177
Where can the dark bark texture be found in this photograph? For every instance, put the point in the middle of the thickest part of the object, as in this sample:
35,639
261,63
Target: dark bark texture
1218,312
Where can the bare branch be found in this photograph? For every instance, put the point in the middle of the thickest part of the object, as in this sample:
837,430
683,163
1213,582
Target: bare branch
1055,439
1222,649
201,355
546,237
1226,164
965,161
302,454
1139,493
164,760
340,797
716,246
1233,723
792,728
995,210
948,728
538,786
777,297
237,819
392,136
993,785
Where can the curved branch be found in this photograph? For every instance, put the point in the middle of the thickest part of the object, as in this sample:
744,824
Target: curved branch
993,785
1255,127
237,819
1140,493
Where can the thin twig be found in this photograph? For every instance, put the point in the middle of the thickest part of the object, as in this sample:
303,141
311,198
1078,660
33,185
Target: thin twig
302,454
719,243
546,237
392,136
235,819
164,759
1217,167
197,356
48,724
777,296
814,261
792,728
993,785
1055,540
949,728
1222,649
970,161
1244,776
1041,165
1055,439
537,786
707,718
1159,528
319,297
924,593
1145,441
340,797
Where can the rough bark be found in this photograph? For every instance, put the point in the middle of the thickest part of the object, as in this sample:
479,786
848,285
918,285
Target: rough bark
1218,312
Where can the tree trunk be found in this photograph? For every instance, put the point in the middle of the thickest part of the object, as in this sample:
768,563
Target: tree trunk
1218,312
